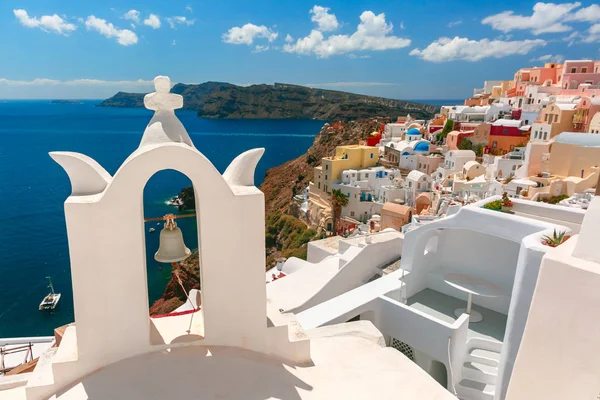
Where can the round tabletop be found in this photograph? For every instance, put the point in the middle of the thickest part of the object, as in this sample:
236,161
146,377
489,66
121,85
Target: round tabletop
474,285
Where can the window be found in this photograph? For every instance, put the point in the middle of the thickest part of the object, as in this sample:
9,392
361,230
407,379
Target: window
512,147
371,155
583,70
319,185
546,118
494,144
326,167
366,175
348,194
573,70
418,186
545,135
505,131
514,167
325,177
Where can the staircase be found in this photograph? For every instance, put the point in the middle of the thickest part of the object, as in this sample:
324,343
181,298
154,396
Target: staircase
480,370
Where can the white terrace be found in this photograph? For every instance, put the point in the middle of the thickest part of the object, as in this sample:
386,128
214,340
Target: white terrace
418,309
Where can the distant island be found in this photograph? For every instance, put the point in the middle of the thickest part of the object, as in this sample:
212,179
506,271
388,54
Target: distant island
279,101
60,101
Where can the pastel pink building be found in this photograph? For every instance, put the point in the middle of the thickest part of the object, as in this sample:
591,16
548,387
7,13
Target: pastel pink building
579,72
584,112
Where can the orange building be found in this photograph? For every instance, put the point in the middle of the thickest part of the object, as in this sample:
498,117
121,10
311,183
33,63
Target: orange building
506,134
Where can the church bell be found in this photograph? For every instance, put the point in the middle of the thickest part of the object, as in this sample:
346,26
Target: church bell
171,246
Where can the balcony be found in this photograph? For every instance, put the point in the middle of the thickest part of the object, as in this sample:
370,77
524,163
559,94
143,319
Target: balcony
441,307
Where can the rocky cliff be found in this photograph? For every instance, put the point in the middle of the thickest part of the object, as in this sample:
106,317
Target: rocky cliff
279,101
283,182
285,234
173,296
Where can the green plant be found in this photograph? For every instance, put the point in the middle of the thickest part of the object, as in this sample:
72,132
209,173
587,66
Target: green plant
510,178
556,239
338,200
445,131
478,150
556,199
495,205
465,144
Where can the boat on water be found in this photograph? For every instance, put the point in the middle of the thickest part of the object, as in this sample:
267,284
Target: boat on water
51,300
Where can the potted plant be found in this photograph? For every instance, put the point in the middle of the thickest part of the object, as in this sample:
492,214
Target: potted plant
539,175
556,239
506,203
524,193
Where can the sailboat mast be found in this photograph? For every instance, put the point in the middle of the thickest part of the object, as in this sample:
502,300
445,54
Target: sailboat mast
50,285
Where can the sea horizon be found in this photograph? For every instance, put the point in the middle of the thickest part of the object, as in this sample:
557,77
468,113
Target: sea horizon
33,189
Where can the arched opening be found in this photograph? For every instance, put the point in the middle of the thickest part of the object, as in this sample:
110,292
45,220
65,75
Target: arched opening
573,84
173,288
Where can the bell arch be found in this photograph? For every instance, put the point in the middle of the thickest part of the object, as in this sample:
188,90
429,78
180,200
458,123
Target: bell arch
230,220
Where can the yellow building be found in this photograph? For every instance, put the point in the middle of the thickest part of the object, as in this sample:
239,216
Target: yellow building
346,157
559,116
574,165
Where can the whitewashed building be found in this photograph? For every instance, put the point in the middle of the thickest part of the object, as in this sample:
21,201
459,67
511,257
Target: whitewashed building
368,189
416,183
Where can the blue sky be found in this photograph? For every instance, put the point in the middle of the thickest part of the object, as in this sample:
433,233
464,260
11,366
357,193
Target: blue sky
408,50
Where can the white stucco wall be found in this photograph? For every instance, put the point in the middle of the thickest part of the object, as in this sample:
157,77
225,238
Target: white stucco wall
558,355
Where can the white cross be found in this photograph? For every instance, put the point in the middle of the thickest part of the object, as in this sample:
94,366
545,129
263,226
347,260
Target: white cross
162,99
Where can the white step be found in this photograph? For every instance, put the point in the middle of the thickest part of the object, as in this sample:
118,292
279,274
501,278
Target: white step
479,372
472,390
485,344
483,356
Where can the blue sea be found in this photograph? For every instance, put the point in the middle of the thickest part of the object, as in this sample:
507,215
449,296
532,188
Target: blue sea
33,188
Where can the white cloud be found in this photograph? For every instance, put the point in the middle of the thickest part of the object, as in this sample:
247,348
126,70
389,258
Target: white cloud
349,84
74,82
189,8
261,48
549,58
326,22
43,88
180,20
174,43
446,49
373,33
454,23
593,34
571,38
289,38
247,33
132,15
354,56
546,18
586,14
152,21
47,23
124,37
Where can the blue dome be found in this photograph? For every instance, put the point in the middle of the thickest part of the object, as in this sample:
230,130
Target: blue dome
413,131
422,146
406,153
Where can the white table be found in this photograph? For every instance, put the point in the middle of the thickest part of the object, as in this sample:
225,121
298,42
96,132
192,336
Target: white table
473,286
